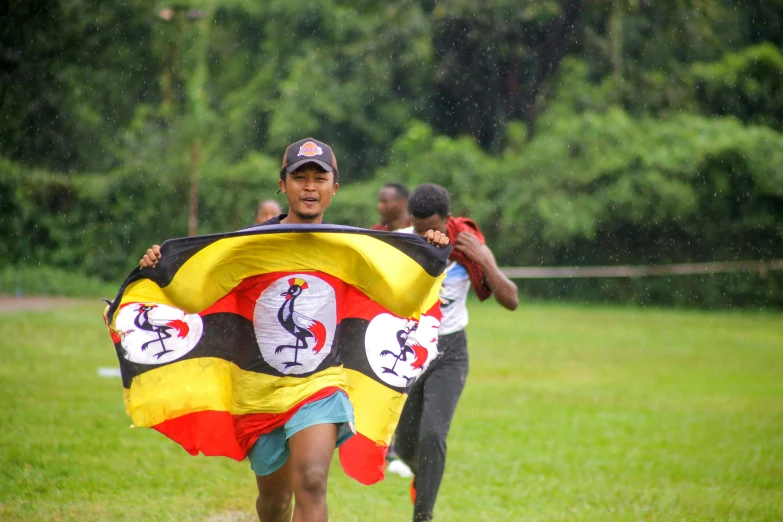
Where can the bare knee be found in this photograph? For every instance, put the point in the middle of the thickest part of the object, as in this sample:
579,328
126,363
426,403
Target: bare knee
275,495
311,482
273,507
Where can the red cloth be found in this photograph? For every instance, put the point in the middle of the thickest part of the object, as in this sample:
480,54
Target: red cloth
210,432
363,459
249,427
455,225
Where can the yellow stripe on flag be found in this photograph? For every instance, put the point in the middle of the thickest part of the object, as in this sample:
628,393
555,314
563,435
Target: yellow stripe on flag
210,383
384,273
377,408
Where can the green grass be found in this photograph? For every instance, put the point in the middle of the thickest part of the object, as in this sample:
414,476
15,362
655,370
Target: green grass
48,281
570,413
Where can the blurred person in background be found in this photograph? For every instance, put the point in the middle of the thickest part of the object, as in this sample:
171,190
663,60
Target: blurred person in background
393,207
267,209
420,439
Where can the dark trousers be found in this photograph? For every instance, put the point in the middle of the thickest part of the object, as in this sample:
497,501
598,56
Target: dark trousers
426,418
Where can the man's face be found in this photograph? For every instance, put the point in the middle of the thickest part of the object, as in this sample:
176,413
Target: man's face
309,191
434,222
390,205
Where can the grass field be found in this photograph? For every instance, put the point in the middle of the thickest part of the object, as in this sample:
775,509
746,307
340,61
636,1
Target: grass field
49,281
570,413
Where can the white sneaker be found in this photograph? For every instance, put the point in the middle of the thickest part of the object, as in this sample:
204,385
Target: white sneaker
398,467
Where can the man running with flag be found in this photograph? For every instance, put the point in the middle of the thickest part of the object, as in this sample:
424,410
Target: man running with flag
284,288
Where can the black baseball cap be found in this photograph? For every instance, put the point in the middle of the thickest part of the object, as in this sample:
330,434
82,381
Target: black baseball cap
308,150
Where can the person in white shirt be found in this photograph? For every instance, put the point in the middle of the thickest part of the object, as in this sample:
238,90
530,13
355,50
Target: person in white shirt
420,439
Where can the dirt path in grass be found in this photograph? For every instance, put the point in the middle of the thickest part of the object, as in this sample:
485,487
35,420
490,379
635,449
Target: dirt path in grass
9,303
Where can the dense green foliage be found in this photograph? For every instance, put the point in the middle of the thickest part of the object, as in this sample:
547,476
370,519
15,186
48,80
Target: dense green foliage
575,132
569,414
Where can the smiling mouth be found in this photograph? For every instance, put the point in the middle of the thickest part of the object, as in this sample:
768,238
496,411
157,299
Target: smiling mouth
309,200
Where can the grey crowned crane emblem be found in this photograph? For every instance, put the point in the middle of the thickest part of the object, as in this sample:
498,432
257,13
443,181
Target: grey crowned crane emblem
304,329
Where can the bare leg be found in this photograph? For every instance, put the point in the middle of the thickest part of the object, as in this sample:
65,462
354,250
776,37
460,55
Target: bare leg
311,454
275,493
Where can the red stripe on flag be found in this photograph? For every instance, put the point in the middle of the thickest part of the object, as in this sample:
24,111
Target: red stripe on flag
210,432
242,299
363,460
249,427
359,306
218,433
435,311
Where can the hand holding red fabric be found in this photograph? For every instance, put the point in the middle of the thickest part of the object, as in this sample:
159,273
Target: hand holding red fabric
456,226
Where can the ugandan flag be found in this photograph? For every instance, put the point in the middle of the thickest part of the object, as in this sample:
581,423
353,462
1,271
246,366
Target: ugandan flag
230,334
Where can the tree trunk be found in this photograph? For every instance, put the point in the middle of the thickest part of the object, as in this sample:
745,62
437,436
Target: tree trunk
195,164
553,51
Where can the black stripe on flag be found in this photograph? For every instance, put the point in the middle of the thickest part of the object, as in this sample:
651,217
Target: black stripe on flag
226,336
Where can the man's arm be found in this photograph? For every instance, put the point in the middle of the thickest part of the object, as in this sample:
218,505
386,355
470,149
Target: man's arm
503,288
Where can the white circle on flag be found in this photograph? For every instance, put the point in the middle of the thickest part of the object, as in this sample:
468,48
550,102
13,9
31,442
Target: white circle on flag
154,333
396,359
295,319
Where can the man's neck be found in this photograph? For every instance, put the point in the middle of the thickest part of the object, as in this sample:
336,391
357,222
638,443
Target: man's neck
293,219
399,222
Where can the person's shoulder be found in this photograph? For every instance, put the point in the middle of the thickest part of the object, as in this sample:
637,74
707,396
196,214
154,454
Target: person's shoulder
379,226
271,221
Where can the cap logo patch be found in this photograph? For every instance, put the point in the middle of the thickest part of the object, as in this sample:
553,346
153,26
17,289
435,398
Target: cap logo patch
310,149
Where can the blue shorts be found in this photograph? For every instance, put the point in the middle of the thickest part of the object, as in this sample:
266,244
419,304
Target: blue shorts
271,450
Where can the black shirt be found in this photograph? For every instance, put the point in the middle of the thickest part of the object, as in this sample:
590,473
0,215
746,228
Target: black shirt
273,221
276,221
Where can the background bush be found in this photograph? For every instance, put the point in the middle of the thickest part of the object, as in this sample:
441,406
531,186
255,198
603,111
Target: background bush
575,133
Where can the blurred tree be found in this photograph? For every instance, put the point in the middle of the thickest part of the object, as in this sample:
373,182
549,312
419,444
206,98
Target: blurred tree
575,132
71,76
747,84
643,49
493,60
760,21
611,188
347,72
